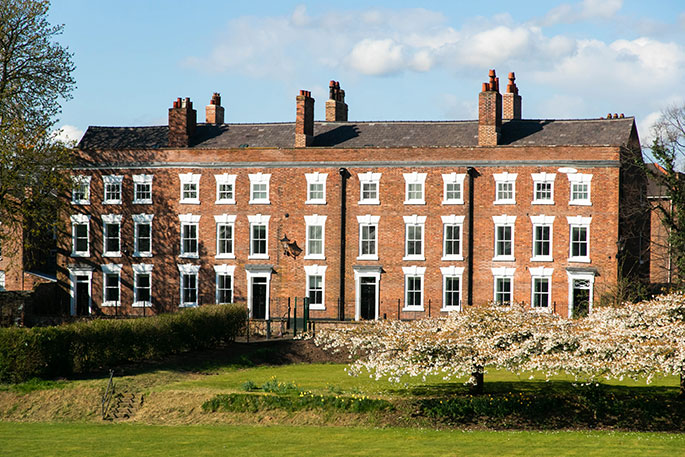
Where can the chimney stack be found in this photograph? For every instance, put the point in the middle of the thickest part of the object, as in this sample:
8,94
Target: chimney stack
214,112
511,100
182,123
304,120
336,108
490,112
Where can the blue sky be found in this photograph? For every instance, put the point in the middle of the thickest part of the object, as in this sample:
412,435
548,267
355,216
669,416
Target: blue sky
395,60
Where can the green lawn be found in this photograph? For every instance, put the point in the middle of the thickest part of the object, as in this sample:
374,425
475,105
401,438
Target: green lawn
44,440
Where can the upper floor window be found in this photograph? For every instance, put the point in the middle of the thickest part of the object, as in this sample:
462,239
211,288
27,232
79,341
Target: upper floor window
190,188
543,188
142,189
112,189
580,189
316,225
579,249
414,228
368,237
80,235
504,237
225,236
259,188
505,188
451,237
542,238
316,188
225,189
369,188
80,194
259,229
111,235
189,235
142,234
415,188
453,189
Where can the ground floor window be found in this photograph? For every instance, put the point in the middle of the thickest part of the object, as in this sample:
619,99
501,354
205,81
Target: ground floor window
224,288
189,284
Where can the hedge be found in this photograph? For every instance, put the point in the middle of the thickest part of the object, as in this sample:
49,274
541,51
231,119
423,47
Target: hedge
48,352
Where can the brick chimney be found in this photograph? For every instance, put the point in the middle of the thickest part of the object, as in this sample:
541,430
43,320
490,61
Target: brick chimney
336,108
490,112
511,100
182,123
214,112
304,120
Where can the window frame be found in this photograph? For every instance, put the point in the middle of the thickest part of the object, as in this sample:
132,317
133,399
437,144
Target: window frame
584,223
142,180
191,179
369,178
139,220
81,180
414,178
543,178
414,221
368,221
503,273
501,179
80,219
189,270
219,271
315,220
141,269
224,220
505,222
261,179
580,179
189,220
254,221
453,179
117,182
541,274
316,271
414,272
452,272
225,179
111,269
111,220
453,220
318,179
542,221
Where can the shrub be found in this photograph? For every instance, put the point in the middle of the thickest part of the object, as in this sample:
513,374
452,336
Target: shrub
304,401
83,347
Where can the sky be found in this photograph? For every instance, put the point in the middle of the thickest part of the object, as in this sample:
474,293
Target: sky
396,60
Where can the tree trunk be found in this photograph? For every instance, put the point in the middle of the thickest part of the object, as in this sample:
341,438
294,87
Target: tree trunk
477,385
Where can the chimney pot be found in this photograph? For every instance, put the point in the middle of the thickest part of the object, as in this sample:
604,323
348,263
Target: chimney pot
336,108
490,112
182,123
621,116
304,120
214,112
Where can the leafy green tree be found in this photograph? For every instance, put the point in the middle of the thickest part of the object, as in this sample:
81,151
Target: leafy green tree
668,150
35,76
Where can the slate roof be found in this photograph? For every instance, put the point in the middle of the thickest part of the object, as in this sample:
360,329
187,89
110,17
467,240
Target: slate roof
583,132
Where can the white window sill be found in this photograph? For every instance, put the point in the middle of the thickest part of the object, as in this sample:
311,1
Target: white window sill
452,257
225,256
579,259
189,255
453,202
142,254
580,203
110,304
258,257
367,257
190,202
111,202
315,202
80,254
314,257
504,202
111,254
224,202
317,308
188,305
80,202
504,258
142,202
447,309
369,202
413,309
259,202
413,257
542,259
142,304
414,202
543,202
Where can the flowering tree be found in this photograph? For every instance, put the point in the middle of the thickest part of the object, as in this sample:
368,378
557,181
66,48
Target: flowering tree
635,340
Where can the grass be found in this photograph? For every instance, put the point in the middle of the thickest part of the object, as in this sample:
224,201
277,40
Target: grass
134,440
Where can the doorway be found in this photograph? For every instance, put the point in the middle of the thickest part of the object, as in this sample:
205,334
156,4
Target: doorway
367,297
580,298
82,295
259,297
81,299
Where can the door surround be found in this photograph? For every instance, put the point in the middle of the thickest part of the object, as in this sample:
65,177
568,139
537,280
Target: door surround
366,271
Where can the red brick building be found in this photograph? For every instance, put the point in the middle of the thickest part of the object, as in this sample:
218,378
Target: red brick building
367,219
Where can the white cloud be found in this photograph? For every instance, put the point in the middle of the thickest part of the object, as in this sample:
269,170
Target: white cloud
68,133
376,57
645,128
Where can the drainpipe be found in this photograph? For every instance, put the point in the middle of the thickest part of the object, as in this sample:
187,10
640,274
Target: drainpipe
344,174
472,175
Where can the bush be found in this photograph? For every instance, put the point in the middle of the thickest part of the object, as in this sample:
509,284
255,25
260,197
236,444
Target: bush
47,352
252,403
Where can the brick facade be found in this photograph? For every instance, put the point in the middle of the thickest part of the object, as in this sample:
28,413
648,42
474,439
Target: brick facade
478,166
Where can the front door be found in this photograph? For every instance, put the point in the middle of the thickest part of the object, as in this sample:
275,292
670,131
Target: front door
581,297
258,298
367,298
82,295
